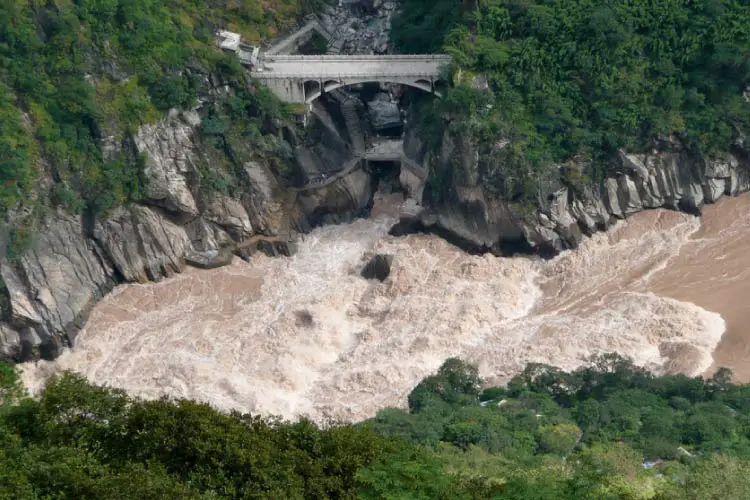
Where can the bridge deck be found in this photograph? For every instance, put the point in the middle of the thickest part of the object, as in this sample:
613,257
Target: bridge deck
315,67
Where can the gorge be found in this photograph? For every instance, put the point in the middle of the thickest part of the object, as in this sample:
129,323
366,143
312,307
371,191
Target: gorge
301,333
307,335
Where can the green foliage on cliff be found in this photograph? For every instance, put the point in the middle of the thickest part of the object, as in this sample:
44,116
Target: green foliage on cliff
610,430
577,80
75,72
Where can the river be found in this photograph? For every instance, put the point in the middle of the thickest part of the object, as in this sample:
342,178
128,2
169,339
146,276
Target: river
307,335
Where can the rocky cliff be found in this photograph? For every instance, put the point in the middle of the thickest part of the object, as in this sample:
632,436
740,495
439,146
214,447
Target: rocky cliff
669,176
73,260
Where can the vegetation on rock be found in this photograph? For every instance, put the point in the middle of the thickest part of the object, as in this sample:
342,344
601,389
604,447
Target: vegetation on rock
544,83
609,430
76,78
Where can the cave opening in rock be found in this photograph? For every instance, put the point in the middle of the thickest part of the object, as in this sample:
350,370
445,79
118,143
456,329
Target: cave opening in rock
385,176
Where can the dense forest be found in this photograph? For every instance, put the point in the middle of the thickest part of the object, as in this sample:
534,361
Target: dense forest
74,75
609,430
571,82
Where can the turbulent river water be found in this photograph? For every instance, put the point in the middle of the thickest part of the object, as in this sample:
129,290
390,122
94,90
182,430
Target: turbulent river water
307,335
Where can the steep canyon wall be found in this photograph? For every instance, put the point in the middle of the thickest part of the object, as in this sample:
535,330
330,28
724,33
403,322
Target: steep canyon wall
667,177
74,260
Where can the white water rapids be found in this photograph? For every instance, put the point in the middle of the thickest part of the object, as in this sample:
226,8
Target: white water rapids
307,335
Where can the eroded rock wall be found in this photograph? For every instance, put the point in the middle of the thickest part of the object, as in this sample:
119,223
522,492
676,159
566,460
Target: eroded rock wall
669,177
73,260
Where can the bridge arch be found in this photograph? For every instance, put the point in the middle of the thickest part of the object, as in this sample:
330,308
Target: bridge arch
311,86
330,85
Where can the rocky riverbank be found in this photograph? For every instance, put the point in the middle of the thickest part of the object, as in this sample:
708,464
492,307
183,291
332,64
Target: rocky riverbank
73,260
667,177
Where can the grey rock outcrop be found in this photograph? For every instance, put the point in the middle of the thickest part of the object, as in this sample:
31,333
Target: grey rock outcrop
384,114
53,286
670,178
229,214
267,214
378,268
73,262
340,201
209,259
10,343
359,26
142,244
168,148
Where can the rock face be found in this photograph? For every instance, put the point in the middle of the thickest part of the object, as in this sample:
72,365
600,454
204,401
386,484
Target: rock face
670,178
51,289
384,114
10,343
359,26
340,201
142,244
46,294
168,148
230,215
209,260
379,267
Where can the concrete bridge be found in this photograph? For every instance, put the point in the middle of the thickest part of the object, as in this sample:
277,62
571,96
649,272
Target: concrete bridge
302,79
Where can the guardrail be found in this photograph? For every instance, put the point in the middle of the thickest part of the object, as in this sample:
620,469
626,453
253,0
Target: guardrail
339,57
341,76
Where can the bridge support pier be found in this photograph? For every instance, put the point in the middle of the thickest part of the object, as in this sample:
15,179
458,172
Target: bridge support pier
291,90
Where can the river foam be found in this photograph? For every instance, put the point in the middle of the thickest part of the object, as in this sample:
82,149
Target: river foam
307,335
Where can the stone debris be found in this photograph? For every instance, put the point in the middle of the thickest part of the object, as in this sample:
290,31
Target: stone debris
359,26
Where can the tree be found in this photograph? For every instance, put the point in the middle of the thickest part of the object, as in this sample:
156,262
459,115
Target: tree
456,383
407,473
11,388
559,439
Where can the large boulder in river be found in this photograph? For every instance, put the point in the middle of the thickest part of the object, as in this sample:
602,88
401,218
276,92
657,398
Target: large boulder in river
378,268
384,114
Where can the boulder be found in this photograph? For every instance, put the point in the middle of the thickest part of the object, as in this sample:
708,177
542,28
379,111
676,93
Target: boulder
229,214
341,201
10,343
378,268
210,259
384,114
206,236
272,247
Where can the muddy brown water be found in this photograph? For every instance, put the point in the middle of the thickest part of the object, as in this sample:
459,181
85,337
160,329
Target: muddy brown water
307,335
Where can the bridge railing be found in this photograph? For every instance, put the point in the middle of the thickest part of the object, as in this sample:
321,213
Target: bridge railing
342,76
339,57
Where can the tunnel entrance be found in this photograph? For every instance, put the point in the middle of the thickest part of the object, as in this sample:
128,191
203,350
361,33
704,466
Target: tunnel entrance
385,176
